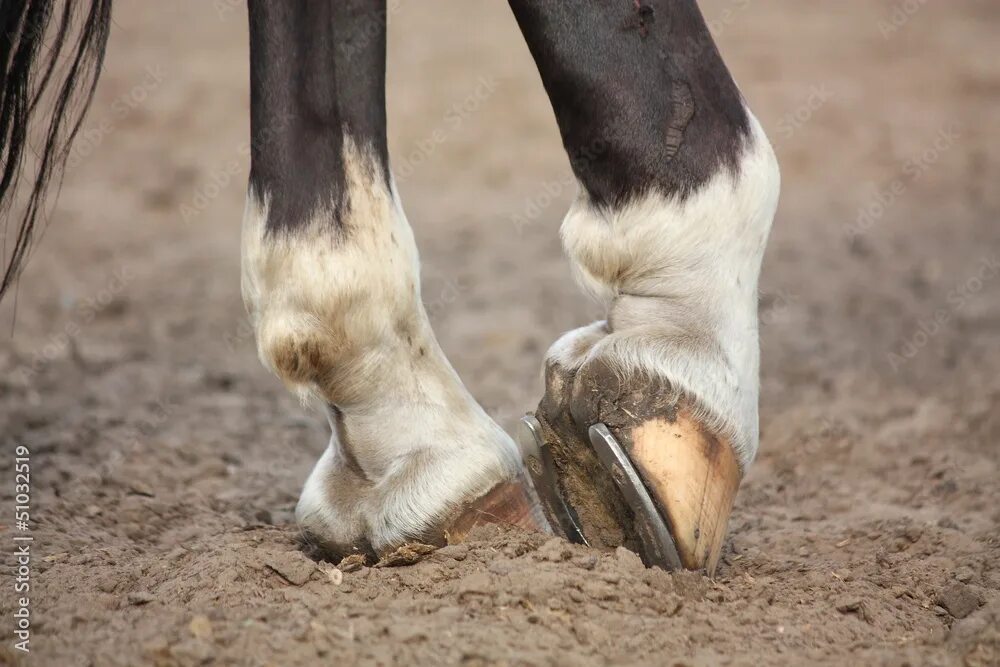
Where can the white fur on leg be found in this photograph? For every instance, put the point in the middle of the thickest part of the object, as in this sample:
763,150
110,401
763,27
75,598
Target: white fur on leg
572,349
338,317
331,501
679,279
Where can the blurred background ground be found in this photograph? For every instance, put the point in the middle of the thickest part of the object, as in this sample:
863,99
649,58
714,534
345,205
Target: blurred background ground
166,462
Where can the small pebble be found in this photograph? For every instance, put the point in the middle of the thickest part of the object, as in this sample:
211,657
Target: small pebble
200,627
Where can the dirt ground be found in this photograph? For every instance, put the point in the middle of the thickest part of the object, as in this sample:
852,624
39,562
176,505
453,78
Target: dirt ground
166,463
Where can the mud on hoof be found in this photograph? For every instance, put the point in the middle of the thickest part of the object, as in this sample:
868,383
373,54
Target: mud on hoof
674,509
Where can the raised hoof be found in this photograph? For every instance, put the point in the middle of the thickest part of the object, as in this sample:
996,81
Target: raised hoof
675,483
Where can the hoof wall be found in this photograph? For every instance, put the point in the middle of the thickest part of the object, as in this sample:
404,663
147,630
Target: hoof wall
678,481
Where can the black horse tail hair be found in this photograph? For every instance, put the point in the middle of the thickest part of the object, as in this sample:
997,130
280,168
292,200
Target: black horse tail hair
42,49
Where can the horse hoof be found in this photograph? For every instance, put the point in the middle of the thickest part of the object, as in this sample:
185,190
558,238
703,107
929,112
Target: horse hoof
510,503
675,482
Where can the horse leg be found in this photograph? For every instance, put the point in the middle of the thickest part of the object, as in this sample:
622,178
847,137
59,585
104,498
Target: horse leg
331,280
678,188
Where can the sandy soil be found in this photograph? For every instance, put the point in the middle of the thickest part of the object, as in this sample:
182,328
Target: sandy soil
166,462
